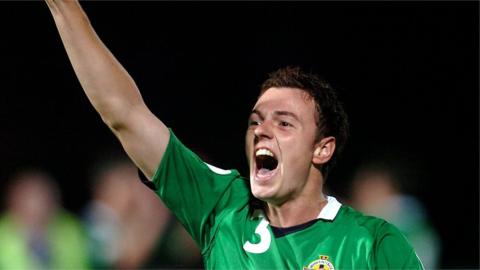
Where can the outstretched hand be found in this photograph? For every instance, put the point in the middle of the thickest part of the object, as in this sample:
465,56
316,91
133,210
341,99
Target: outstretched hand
109,87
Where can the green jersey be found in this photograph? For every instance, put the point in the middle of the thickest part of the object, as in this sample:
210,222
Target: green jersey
214,206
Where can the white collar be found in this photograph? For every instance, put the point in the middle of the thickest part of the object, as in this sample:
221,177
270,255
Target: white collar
330,210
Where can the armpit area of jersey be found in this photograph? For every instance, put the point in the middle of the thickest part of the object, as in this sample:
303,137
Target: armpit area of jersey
145,180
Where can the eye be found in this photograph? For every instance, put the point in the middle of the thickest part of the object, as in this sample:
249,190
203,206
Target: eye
285,124
253,123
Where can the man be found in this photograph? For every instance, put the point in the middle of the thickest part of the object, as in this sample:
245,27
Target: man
122,209
36,232
378,188
293,132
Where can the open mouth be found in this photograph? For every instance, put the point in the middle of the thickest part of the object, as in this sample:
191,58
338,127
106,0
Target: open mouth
266,164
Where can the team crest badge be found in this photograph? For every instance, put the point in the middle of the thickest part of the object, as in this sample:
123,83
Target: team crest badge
322,263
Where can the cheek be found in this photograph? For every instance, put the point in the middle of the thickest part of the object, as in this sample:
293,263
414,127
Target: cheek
248,145
298,156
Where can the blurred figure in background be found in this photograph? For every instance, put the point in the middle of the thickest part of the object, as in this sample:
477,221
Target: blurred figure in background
128,225
35,232
376,190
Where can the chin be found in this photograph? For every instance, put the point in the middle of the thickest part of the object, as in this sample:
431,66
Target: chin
258,192
265,190
263,193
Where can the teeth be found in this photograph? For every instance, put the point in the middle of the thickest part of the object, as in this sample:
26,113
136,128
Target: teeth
263,152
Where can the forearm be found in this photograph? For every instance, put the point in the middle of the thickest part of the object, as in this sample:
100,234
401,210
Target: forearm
106,83
110,88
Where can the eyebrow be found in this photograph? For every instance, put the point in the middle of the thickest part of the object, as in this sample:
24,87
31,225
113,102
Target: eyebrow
277,113
255,111
286,113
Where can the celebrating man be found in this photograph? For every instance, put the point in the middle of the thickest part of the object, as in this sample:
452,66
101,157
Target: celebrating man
295,131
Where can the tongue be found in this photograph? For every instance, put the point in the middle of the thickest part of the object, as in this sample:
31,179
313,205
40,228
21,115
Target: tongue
263,171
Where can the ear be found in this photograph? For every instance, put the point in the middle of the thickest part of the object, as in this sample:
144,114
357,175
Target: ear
323,150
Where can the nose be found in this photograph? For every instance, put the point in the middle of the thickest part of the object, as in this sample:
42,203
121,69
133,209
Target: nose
263,130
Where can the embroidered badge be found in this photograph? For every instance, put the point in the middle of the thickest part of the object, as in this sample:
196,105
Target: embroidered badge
322,263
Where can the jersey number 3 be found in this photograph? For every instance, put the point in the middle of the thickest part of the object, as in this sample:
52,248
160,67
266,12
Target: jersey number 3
265,239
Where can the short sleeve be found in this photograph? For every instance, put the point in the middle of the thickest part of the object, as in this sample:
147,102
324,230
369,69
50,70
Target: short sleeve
197,193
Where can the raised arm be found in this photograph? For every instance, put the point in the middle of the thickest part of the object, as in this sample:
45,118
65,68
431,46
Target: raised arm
110,88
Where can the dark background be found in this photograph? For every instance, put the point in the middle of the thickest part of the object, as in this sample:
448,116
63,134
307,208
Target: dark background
407,73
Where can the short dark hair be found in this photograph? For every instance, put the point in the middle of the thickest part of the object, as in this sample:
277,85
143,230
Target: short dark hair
331,118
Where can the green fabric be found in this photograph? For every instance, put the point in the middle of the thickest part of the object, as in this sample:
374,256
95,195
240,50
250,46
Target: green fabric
214,207
65,238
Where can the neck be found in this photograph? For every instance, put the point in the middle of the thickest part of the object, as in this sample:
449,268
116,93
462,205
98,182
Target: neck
295,212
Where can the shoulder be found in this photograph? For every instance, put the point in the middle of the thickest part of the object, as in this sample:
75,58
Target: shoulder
390,248
371,228
66,220
359,221
6,223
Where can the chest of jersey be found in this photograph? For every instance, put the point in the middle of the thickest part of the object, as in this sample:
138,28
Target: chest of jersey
249,243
